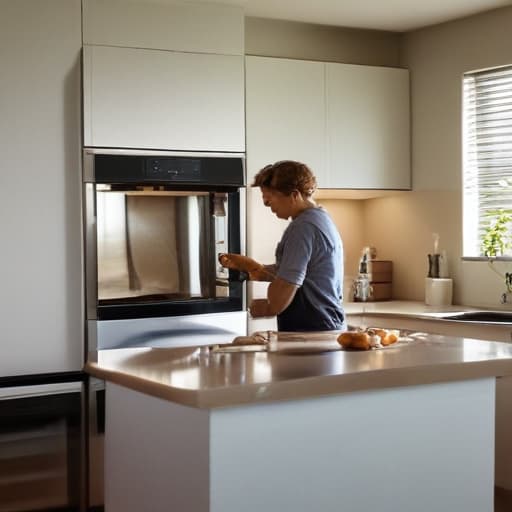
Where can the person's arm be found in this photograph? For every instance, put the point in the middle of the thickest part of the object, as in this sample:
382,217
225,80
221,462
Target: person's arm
279,296
265,273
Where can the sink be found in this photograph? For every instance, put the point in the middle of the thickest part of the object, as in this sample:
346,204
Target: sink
495,317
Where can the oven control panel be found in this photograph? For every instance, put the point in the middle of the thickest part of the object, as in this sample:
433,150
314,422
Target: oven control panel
173,169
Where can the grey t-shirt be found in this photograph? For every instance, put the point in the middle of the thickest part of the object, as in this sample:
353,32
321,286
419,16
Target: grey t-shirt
310,255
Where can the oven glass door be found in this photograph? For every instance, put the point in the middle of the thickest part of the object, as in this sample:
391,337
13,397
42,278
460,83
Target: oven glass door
157,248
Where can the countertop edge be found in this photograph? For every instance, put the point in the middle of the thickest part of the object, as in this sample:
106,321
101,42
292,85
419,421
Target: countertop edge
313,387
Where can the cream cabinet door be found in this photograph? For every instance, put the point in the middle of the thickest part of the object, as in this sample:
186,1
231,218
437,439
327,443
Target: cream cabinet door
285,113
368,127
151,99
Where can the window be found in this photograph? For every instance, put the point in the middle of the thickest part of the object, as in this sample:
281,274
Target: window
487,161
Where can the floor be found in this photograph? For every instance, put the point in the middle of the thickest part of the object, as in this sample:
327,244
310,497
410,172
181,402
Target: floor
502,500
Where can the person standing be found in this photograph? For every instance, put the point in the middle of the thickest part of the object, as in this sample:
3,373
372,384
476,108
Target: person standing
305,291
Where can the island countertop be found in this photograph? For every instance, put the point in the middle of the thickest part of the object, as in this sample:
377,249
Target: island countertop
206,379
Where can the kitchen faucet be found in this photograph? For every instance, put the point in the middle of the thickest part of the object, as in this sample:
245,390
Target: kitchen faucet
506,298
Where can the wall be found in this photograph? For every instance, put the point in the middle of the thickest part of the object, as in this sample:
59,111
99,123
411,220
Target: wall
402,227
294,40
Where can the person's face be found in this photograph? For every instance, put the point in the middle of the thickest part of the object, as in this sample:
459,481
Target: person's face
280,204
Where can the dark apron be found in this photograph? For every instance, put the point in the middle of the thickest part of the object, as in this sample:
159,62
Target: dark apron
301,315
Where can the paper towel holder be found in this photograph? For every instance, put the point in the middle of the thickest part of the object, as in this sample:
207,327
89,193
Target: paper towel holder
438,291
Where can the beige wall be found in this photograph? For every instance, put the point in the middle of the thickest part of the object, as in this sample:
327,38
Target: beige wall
294,40
437,58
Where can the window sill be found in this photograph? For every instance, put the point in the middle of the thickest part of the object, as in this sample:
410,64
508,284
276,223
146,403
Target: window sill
485,258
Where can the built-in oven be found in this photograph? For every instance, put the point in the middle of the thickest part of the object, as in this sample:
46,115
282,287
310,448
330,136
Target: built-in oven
155,223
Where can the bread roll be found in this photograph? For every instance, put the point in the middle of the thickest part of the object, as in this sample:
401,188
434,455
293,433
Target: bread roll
354,340
390,338
378,332
255,339
386,337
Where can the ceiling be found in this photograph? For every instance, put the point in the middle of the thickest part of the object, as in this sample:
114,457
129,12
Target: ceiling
391,15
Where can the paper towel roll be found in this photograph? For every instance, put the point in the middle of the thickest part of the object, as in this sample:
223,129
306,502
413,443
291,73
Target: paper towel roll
438,291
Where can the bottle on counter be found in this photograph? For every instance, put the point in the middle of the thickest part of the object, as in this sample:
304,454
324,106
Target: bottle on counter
362,287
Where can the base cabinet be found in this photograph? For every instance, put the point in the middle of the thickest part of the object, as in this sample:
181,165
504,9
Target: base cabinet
418,448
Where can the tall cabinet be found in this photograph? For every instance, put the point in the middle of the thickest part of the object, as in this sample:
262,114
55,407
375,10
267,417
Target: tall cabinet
163,76
40,295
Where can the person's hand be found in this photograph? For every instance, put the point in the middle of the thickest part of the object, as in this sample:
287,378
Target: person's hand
259,308
239,262
255,271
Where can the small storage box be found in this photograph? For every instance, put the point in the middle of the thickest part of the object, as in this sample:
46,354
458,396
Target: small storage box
380,271
380,291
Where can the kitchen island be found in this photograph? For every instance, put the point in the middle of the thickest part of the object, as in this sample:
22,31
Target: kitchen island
409,427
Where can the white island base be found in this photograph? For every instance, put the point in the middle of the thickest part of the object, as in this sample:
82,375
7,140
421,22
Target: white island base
418,448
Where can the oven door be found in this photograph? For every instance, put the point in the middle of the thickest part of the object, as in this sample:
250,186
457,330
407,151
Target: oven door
153,250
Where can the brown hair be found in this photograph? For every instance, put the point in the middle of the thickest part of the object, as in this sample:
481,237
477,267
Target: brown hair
287,176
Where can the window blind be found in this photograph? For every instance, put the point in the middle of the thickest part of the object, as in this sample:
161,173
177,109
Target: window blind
487,141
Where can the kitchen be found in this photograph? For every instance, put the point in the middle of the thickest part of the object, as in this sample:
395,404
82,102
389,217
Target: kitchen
42,270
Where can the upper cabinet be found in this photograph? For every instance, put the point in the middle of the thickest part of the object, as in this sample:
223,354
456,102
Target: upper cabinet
163,76
368,127
156,99
349,123
285,113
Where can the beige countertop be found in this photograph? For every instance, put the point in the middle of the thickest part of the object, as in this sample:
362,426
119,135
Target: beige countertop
404,309
191,377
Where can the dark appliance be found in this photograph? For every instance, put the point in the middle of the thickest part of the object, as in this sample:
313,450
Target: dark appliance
42,443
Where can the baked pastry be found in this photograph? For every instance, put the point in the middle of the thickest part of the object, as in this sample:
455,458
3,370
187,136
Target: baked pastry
365,340
255,270
390,338
255,339
357,340
385,337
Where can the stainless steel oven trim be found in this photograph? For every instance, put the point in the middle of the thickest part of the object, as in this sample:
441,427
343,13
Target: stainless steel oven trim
90,248
11,393
170,331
